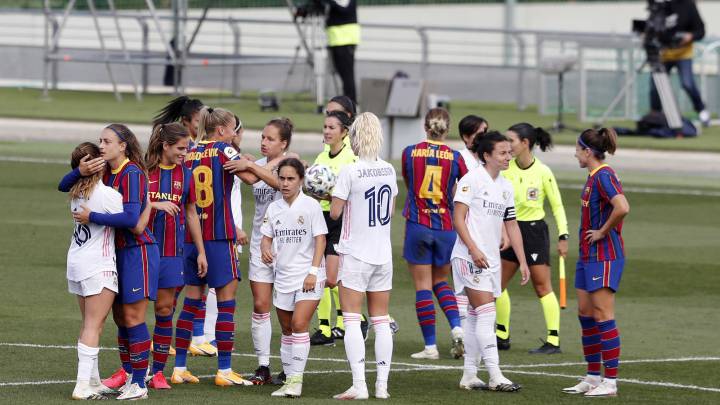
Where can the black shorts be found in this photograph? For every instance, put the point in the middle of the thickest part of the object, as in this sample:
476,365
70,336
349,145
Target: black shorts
333,236
536,243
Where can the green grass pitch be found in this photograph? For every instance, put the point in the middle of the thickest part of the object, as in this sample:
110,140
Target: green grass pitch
666,309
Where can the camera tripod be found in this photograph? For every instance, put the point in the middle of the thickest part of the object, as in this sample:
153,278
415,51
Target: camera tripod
664,88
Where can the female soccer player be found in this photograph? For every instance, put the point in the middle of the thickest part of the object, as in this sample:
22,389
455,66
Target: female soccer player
172,198
213,185
364,195
276,137
600,265
470,127
137,254
91,271
532,182
431,170
483,201
184,109
339,154
293,243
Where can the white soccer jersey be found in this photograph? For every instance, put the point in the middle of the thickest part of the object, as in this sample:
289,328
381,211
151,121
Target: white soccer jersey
368,187
92,246
293,229
236,205
490,203
471,162
264,195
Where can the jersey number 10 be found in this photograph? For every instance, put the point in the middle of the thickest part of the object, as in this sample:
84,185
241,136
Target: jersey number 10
378,205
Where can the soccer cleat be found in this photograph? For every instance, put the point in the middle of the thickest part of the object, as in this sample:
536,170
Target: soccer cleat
125,386
546,348
585,385
183,377
394,327
318,339
292,387
203,349
133,392
116,380
458,348
230,378
704,117
279,379
381,391
502,384
280,392
158,382
427,354
503,344
101,389
83,391
262,376
472,383
605,389
364,327
337,333
353,393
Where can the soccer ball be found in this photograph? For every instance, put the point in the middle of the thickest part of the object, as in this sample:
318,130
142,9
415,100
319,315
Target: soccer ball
319,180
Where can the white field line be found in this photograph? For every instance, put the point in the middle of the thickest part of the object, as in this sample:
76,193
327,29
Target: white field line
409,367
643,190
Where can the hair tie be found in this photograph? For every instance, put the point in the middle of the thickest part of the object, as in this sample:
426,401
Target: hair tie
586,146
119,135
210,110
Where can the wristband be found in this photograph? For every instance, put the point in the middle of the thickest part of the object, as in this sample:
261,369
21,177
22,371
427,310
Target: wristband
313,271
564,237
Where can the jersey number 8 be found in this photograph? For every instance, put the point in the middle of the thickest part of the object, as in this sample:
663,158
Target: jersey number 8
203,186
378,205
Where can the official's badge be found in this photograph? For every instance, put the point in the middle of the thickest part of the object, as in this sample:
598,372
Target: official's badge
532,194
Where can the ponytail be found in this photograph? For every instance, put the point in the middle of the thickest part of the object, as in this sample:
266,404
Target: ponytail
599,141
177,109
163,134
533,135
285,128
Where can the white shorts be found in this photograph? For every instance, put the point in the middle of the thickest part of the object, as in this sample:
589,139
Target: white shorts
286,301
357,275
94,284
467,275
260,272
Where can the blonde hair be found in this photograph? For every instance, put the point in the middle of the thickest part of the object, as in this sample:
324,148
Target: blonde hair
84,187
437,123
211,118
366,136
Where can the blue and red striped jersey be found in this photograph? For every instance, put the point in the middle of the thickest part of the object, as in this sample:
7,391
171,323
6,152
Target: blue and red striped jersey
601,186
213,187
430,170
130,181
174,184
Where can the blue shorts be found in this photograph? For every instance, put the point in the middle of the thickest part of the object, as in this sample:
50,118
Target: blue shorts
138,273
425,245
222,264
592,276
171,272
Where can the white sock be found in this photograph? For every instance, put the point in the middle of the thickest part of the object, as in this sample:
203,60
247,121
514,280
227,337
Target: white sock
179,369
95,374
261,330
211,314
355,349
471,343
487,342
383,346
286,353
86,358
300,351
611,381
462,303
198,340
430,347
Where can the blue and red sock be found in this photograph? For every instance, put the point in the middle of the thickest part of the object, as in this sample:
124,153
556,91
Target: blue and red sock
610,347
139,339
225,333
591,344
199,320
425,310
124,349
162,338
183,330
448,303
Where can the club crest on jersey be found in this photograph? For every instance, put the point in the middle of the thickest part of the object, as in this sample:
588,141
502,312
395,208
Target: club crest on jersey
587,190
532,194
301,220
177,184
505,195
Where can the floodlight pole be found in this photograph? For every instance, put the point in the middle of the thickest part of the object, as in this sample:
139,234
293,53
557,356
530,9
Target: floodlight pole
509,26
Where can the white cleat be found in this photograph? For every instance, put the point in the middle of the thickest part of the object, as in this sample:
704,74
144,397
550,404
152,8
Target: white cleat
353,393
83,391
294,387
502,384
280,393
605,389
133,392
585,385
472,383
426,354
381,391
126,386
101,389
458,347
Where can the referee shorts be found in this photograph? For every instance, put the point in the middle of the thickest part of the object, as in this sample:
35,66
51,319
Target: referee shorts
536,243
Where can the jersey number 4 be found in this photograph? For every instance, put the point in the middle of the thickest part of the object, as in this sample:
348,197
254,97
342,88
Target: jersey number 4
203,177
379,205
430,187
